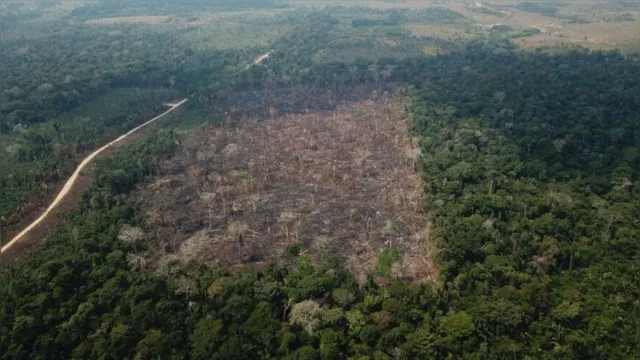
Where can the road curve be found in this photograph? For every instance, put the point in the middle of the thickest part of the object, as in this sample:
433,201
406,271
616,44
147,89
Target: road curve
69,184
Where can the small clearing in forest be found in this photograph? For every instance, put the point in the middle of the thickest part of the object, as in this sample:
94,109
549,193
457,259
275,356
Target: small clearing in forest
340,183
155,19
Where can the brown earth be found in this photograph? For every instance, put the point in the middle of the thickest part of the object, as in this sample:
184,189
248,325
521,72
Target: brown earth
130,20
341,183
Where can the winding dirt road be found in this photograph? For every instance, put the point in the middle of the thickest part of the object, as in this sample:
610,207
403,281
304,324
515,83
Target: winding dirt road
69,184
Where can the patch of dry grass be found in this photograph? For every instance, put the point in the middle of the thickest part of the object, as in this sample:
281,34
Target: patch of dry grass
601,36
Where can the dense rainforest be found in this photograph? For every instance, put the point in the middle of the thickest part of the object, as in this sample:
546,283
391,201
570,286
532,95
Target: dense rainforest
531,171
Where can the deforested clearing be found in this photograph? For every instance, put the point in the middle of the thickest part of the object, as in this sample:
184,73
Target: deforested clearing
342,183
130,20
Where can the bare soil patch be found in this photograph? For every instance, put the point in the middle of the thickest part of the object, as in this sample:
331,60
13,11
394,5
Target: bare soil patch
157,19
338,183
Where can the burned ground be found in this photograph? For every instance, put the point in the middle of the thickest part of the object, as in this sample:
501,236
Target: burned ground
264,103
343,183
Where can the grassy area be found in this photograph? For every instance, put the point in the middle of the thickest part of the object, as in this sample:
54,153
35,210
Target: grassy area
593,24
235,30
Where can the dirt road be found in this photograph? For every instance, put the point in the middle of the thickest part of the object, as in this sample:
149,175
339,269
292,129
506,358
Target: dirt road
69,184
260,59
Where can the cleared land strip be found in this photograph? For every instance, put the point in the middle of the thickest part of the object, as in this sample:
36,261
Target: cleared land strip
69,184
341,182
